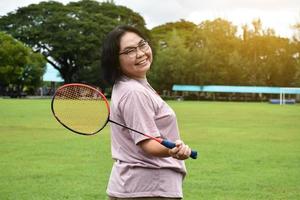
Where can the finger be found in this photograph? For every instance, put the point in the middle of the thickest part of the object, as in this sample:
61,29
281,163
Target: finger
173,151
182,149
188,151
178,143
184,152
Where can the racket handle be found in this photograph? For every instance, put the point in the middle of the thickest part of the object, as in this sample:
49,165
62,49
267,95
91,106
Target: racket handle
171,145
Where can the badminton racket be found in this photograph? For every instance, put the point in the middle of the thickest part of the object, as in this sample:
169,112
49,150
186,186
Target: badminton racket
85,110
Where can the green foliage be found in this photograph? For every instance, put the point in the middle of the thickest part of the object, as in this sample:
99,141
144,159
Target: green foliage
172,58
69,36
212,53
20,68
170,63
160,34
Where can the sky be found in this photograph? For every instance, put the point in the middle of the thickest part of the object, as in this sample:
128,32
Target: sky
52,74
279,15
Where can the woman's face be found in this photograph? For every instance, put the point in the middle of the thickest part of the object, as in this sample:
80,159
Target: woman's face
135,56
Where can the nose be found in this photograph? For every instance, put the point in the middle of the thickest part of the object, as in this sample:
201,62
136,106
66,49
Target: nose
139,53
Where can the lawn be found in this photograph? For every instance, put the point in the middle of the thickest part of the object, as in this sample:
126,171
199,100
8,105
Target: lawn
247,151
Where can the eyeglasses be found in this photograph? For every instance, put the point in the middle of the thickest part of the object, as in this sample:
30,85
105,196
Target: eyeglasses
132,51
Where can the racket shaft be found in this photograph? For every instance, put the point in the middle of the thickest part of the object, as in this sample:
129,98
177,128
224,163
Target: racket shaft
171,145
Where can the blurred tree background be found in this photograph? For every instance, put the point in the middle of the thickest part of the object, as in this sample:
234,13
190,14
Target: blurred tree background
20,67
69,37
212,53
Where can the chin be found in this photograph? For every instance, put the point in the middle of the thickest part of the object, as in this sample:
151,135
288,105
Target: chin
146,67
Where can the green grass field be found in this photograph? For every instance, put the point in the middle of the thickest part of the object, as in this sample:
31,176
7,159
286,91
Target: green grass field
247,151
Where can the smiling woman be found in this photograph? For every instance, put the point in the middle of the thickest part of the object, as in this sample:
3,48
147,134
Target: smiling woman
135,56
143,168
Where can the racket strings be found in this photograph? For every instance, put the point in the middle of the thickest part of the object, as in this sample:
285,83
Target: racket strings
81,109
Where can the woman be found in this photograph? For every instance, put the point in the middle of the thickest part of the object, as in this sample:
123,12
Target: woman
143,168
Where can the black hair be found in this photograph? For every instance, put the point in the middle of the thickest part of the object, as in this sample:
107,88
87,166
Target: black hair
110,52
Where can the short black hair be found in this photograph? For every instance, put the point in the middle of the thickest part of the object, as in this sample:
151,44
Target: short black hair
110,52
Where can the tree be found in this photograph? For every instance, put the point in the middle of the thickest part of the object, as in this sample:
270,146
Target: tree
171,64
296,53
212,53
70,37
213,43
271,59
20,68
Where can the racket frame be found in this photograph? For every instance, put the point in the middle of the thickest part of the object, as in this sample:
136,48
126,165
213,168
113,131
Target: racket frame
81,85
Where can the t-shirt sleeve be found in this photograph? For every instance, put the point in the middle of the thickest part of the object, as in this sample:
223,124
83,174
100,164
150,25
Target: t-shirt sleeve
138,111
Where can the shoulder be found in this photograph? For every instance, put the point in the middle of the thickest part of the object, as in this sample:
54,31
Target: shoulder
129,87
133,93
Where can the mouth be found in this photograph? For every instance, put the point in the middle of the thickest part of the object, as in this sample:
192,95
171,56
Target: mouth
142,62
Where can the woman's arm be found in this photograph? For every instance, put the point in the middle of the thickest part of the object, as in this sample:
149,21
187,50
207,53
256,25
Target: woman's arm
180,152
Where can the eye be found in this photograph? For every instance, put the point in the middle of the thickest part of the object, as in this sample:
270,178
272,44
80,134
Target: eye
129,51
143,46
143,43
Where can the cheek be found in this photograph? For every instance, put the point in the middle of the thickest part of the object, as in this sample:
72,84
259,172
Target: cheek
149,55
125,64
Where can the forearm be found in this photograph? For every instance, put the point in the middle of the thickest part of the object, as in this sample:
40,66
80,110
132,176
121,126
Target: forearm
154,148
180,152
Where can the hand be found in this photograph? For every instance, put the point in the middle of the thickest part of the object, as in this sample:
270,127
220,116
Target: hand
181,151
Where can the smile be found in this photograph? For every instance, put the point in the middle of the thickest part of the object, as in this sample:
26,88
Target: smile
141,62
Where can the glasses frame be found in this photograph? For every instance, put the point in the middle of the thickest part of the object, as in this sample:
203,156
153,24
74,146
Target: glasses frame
135,49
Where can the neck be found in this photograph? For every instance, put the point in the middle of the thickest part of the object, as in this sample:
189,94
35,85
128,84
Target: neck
136,77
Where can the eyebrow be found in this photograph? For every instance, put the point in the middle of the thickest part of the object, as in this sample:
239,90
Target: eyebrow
132,47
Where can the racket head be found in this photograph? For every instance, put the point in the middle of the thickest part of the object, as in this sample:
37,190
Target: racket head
80,108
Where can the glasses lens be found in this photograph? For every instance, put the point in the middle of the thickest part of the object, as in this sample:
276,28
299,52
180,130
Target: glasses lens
144,46
132,53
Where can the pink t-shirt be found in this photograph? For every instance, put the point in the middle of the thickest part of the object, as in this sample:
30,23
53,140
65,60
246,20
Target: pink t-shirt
135,173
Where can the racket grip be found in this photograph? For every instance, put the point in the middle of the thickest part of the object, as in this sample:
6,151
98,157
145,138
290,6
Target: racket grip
171,145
